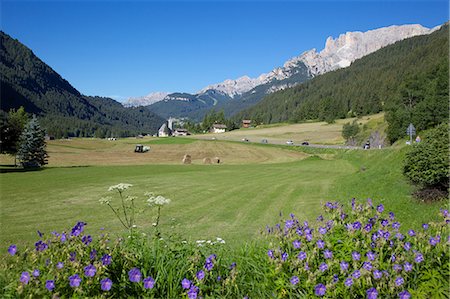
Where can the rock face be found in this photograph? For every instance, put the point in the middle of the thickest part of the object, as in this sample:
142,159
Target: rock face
338,53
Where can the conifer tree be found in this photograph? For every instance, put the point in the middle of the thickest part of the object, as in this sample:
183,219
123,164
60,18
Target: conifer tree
32,151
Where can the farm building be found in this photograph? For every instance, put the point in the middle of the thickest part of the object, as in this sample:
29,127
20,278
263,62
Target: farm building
218,128
164,131
246,123
181,132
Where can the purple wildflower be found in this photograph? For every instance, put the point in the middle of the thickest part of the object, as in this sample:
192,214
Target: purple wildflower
372,293
288,224
297,244
72,256
348,282
149,283
386,235
396,225
393,258
233,265
25,277
384,222
425,226
397,267
63,238
356,225
371,256
208,265
270,253
322,230
418,258
284,256
404,295
323,267
343,216
367,266
86,239
36,273
90,270
320,290
328,254
106,284
193,292
356,256
377,274
433,241
302,255
308,237
399,281
185,283
74,281
306,267
106,259
134,275
380,208
93,254
78,229
320,218
40,234
200,275
40,246
60,265
320,244
391,215
408,267
368,227
344,266
335,278
294,280
50,285
407,246
356,274
12,249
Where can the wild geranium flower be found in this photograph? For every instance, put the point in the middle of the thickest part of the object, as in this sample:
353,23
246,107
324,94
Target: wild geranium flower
411,232
106,284
270,253
295,280
208,265
72,256
356,256
356,274
232,266
368,227
380,208
393,258
86,239
407,246
297,244
377,274
36,273
391,215
78,229
367,266
12,249
284,256
288,224
384,222
90,270
404,295
200,275
335,278
93,254
63,237
407,267
348,282
120,187
75,281
397,267
425,226
134,275
399,281
320,244
193,292
50,285
356,225
308,237
302,255
60,265
320,290
25,277
40,245
322,230
418,258
372,293
344,266
371,256
323,267
185,283
149,283
106,259
328,254
433,241
306,267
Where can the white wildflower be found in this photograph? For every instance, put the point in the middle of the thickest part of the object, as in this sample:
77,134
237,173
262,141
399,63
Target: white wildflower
158,201
120,187
105,200
130,198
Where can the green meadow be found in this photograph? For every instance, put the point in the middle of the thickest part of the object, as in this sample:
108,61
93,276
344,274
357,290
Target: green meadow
231,201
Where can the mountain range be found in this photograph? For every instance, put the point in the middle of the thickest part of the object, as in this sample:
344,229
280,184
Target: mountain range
235,95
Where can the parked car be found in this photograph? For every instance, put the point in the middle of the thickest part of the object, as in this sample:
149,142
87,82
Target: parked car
290,142
305,143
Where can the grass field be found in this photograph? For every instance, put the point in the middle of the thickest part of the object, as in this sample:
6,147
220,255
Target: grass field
234,200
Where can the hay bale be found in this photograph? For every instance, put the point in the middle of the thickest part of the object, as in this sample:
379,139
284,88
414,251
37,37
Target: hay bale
187,159
216,160
206,160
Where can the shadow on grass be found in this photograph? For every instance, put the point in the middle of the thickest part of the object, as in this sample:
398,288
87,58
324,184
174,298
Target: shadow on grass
12,168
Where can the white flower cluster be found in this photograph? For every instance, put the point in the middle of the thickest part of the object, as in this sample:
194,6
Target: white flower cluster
120,187
157,200
209,242
105,200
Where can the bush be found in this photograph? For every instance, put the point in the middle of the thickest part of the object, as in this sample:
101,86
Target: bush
427,163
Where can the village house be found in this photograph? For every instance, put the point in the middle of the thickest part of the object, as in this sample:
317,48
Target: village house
218,128
164,131
181,132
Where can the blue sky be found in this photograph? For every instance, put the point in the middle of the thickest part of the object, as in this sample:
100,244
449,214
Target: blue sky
131,48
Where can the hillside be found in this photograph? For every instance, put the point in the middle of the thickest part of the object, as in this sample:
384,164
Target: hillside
27,81
408,77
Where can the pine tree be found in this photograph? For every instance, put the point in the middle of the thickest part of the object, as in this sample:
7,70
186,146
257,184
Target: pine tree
32,151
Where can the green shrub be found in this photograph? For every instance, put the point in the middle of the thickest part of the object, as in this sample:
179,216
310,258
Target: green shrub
427,163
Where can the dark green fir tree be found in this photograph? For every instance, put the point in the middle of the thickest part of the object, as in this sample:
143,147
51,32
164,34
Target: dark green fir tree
32,151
